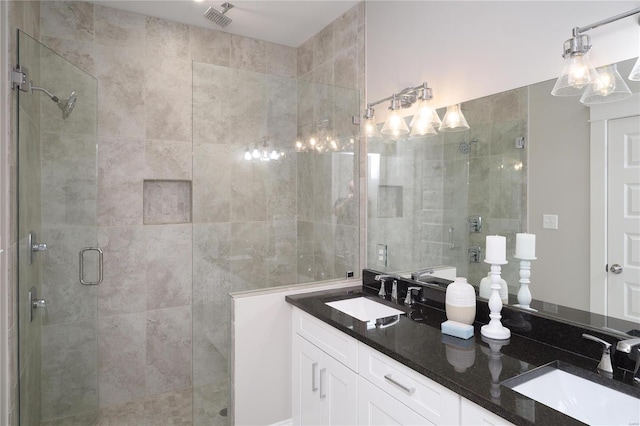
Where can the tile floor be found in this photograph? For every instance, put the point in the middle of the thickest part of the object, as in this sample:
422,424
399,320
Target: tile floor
175,408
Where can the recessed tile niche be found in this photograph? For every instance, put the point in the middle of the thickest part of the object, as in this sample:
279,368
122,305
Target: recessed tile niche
166,201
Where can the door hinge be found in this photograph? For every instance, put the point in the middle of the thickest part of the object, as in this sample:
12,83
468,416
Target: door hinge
20,79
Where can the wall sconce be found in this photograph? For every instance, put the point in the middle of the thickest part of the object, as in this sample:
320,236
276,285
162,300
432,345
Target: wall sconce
424,122
578,74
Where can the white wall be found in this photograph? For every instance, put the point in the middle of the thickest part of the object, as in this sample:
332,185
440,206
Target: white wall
470,49
261,353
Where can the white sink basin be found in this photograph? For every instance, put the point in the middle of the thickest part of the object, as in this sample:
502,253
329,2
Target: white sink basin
580,398
364,309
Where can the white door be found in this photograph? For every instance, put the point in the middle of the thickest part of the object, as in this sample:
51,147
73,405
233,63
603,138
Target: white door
623,218
338,391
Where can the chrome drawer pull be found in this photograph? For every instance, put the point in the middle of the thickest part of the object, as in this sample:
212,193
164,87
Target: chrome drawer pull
409,391
314,387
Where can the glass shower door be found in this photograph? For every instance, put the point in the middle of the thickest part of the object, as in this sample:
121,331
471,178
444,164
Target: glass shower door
58,263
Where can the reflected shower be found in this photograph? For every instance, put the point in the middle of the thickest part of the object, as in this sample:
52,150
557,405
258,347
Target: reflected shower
66,105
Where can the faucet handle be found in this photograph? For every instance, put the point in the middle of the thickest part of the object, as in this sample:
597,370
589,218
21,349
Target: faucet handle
605,364
408,300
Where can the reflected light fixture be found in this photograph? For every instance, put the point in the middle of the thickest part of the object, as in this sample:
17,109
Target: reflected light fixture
260,151
634,75
607,87
426,119
369,128
577,73
395,125
453,120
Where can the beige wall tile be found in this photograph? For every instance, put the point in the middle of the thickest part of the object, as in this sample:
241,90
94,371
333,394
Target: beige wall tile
78,52
211,203
168,99
323,46
167,160
345,30
248,188
210,46
166,38
305,57
67,19
211,99
168,265
119,28
168,351
248,53
281,60
122,358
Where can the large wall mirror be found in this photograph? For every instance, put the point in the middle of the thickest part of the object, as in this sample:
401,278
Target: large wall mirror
424,193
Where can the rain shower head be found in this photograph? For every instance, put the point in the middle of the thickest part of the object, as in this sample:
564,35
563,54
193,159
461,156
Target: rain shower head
66,105
217,17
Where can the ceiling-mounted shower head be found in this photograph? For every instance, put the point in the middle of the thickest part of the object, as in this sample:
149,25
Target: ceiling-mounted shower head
217,17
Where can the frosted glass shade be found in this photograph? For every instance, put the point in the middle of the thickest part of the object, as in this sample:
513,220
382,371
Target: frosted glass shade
425,114
395,125
608,86
369,129
635,71
423,128
577,73
453,120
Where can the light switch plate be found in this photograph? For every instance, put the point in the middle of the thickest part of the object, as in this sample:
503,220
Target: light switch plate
550,221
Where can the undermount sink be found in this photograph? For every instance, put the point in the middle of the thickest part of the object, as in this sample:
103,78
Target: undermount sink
580,398
364,309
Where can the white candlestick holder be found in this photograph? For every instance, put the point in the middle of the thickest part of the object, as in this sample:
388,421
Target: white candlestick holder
524,293
495,329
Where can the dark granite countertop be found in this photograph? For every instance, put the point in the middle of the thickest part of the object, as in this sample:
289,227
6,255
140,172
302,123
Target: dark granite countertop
473,368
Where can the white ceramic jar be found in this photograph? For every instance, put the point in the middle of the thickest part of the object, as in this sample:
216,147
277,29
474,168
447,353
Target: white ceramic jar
460,301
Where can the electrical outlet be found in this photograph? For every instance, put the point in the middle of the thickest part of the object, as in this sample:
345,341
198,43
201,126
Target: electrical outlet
550,221
381,254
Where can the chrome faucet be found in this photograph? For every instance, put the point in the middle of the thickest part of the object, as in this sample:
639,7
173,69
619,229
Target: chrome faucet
409,300
631,347
605,364
421,273
382,279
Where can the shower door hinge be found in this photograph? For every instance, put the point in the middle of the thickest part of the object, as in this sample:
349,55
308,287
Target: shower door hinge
520,142
20,79
355,120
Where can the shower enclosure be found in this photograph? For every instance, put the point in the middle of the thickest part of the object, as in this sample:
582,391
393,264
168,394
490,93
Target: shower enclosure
151,326
57,193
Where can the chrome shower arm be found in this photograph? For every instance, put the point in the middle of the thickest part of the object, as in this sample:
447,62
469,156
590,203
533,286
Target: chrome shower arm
53,97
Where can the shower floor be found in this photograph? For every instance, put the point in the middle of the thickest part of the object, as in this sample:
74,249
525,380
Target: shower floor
175,408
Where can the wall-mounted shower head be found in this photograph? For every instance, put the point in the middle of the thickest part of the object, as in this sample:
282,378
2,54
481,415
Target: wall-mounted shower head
218,17
66,105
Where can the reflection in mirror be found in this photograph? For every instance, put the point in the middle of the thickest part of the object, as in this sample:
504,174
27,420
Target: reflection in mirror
426,194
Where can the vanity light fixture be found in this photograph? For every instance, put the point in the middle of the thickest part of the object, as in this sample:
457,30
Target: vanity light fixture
607,87
260,151
577,72
425,120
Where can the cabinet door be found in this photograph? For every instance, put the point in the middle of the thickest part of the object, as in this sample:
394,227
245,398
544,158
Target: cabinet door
376,407
307,405
338,392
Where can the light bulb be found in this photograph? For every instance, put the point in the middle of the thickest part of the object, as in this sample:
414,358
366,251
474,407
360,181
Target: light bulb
255,153
579,72
274,155
247,155
604,84
299,145
453,120
312,142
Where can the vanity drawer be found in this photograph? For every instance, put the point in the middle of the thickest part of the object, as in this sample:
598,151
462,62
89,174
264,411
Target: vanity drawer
434,402
334,342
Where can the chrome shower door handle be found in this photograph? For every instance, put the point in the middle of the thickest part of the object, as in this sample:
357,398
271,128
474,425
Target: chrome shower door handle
100,266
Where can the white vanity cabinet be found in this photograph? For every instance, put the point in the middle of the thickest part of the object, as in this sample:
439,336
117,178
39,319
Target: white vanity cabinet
340,381
473,414
324,389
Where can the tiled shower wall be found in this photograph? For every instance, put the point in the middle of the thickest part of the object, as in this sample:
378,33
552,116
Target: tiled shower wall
146,132
442,186
331,81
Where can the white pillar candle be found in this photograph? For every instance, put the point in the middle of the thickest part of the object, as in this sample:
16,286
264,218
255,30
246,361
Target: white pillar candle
496,249
525,246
